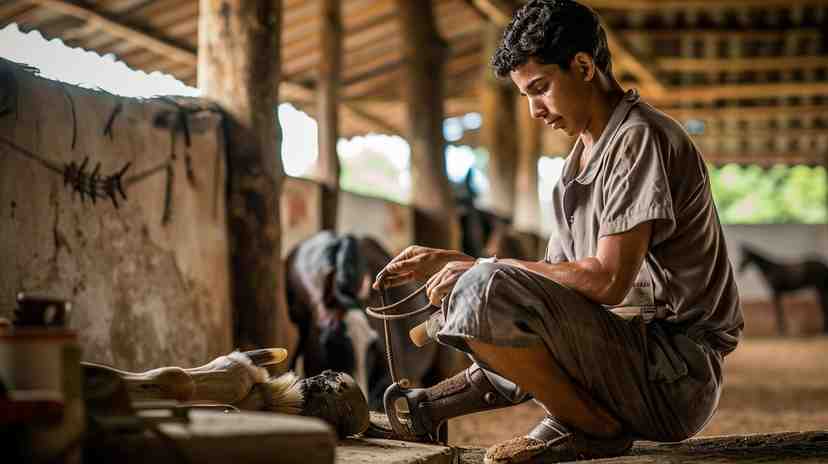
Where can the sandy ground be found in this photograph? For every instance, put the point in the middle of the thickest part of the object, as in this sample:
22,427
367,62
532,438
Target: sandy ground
771,385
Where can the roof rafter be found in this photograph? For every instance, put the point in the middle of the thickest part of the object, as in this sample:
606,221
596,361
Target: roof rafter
117,28
113,26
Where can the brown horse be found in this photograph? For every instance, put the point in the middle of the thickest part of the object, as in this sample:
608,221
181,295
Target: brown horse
787,277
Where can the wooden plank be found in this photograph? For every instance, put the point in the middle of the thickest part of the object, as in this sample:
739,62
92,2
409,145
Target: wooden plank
743,91
714,34
763,158
757,132
9,10
352,110
498,11
661,5
750,113
735,65
119,29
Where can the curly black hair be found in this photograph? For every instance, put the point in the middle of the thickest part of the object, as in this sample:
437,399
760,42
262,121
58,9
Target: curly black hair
551,32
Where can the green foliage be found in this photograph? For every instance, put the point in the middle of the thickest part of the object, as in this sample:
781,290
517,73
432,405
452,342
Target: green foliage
781,194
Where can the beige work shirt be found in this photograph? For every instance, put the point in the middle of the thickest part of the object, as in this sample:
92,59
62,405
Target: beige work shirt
645,167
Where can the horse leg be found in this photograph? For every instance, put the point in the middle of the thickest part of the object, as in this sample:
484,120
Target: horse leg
823,301
780,318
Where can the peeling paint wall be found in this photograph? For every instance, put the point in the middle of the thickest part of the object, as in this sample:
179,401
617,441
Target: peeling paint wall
146,292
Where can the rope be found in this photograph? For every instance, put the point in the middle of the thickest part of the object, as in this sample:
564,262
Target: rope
378,314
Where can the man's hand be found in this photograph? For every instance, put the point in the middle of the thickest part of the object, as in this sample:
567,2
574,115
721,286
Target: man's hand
416,263
441,283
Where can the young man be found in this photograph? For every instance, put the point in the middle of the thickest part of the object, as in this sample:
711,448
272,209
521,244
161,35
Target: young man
619,333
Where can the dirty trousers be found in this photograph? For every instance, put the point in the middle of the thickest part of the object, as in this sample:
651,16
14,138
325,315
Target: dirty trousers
659,383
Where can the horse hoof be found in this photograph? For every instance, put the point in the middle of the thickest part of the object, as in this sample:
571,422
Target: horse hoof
337,399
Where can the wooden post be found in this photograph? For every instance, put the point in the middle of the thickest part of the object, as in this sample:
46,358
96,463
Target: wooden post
527,204
498,129
327,104
435,223
238,68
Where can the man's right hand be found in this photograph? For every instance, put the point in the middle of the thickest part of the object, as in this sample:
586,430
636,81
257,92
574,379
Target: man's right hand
416,263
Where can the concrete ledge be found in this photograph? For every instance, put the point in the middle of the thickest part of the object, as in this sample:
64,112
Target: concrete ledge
378,451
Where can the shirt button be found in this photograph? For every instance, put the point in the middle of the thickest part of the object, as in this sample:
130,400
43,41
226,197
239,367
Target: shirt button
571,219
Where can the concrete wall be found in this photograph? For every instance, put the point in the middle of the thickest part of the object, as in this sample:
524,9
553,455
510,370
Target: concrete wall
388,222
146,293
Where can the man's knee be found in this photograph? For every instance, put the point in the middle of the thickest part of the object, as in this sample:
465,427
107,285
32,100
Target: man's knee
476,279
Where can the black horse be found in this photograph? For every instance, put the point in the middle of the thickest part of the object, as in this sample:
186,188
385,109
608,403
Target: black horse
787,277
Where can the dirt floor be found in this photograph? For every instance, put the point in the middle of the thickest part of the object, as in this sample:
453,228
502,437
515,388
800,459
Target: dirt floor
771,385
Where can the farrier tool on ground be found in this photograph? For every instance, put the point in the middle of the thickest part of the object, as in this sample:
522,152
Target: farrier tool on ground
408,425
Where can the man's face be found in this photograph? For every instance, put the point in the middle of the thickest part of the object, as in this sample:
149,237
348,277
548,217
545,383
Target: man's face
559,97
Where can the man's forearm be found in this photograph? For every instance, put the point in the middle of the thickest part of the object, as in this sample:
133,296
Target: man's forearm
587,277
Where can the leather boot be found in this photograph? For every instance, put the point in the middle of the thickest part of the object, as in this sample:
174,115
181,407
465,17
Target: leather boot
429,408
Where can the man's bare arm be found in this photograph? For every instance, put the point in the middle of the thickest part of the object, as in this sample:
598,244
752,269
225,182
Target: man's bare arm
605,278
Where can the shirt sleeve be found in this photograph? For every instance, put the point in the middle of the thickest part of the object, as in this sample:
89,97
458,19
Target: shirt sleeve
554,250
637,188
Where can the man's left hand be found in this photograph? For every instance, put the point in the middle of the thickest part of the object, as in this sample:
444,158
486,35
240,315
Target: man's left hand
440,284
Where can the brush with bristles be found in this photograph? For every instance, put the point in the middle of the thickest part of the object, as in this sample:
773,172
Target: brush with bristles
226,379
331,396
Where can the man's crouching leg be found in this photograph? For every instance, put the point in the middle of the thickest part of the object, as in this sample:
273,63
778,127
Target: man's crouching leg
467,392
487,317
575,427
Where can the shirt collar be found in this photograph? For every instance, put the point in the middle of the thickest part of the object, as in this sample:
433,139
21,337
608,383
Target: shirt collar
619,114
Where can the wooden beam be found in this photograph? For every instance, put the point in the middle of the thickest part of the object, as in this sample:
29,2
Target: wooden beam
707,93
735,65
715,34
422,86
238,63
327,113
749,112
801,133
527,204
764,158
354,110
633,63
691,4
497,133
498,11
120,29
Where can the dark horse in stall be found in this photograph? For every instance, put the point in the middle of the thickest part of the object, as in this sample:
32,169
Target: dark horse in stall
328,278
787,277
484,233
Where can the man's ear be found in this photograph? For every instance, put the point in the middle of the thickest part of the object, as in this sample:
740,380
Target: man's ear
585,65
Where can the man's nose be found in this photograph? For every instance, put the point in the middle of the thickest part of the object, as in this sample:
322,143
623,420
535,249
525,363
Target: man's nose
536,108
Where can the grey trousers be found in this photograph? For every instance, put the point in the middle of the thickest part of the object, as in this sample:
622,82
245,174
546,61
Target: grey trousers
657,382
